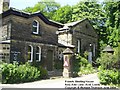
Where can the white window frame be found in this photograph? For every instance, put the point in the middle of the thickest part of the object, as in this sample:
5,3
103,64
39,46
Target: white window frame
94,50
31,53
39,53
78,46
36,27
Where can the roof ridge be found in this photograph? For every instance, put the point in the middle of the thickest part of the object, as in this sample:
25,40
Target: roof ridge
18,12
55,22
74,23
12,8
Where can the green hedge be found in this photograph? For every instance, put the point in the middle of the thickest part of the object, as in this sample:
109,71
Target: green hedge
109,77
13,73
82,66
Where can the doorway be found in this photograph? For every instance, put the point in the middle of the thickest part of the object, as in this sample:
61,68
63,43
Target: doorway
50,60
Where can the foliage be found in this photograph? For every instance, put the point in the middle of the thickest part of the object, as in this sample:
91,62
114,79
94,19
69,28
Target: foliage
47,7
95,13
63,14
103,16
108,77
107,61
82,66
112,21
86,53
109,73
14,73
86,70
44,73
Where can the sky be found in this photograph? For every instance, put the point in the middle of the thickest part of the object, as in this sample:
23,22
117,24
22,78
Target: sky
21,4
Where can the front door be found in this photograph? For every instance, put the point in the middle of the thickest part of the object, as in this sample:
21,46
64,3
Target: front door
90,57
50,60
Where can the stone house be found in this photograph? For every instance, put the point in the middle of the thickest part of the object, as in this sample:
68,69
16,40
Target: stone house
80,36
33,38
29,37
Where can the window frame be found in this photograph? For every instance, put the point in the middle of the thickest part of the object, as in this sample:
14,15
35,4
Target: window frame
38,53
31,53
94,51
35,26
78,46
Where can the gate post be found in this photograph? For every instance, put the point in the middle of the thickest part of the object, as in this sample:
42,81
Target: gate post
67,66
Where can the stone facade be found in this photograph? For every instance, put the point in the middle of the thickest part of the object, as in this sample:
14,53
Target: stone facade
80,35
17,34
34,38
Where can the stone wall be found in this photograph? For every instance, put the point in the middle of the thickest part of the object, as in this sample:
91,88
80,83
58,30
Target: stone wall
87,36
19,31
85,33
21,49
65,38
24,32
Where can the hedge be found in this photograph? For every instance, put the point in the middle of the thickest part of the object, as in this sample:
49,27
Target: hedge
109,77
13,73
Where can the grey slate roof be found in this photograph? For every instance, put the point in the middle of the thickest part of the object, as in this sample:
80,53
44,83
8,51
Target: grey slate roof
67,51
68,25
17,12
108,48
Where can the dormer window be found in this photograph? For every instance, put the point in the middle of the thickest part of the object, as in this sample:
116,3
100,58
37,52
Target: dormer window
35,27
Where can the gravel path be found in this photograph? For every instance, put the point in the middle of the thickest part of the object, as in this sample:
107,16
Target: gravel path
58,83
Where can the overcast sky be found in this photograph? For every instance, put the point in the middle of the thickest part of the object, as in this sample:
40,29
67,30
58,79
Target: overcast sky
21,4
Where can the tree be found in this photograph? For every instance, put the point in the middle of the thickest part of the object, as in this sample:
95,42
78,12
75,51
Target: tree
95,13
63,14
112,22
47,7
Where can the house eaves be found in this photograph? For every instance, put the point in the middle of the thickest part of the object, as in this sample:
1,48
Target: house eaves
13,11
67,26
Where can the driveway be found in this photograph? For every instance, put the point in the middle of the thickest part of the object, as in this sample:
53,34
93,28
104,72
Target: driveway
60,82
85,81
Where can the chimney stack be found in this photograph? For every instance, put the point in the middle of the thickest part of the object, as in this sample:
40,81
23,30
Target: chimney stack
4,5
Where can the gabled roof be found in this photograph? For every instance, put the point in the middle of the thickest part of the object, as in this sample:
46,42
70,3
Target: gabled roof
108,48
13,11
71,24
75,23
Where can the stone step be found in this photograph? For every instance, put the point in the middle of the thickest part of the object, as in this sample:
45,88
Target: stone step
55,73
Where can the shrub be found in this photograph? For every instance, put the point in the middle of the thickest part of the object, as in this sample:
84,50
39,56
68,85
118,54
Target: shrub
14,73
82,66
28,73
109,73
86,70
107,61
108,77
44,73
9,71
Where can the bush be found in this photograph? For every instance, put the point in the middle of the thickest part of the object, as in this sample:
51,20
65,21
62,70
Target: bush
44,73
86,70
28,73
109,73
107,61
82,66
109,77
9,73
14,73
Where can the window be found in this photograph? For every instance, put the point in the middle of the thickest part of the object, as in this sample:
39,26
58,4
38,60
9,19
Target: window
30,53
78,46
94,50
38,54
35,27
